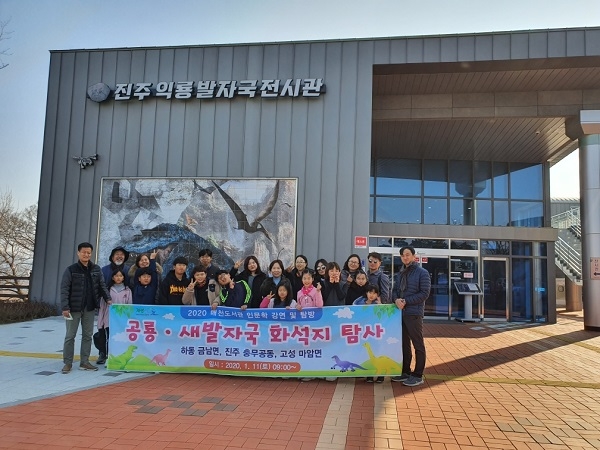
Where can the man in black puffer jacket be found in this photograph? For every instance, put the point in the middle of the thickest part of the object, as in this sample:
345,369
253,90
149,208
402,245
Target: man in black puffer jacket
80,291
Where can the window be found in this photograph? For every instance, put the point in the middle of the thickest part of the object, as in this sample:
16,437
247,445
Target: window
526,181
398,177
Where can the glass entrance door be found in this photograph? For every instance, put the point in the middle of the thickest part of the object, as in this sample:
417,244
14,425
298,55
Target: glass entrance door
494,288
438,303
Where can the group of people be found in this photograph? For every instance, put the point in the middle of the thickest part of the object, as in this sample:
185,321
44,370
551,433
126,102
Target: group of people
85,287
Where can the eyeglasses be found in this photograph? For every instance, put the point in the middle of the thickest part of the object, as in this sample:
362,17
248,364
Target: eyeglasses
353,262
321,267
373,261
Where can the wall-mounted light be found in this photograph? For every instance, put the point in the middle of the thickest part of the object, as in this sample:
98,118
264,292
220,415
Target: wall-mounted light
85,161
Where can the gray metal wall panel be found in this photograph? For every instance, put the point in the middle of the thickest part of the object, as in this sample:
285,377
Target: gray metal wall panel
398,51
268,117
313,243
449,49
575,43
329,194
347,146
484,48
120,115
297,154
191,119
432,50
501,46
466,48
207,116
160,163
538,45
557,44
592,42
381,52
252,154
239,70
147,128
519,46
414,50
134,118
288,110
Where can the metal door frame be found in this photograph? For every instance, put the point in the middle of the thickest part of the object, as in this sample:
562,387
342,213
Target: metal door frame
506,299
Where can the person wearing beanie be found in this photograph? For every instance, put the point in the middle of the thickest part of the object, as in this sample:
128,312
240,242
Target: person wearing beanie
145,286
173,286
118,258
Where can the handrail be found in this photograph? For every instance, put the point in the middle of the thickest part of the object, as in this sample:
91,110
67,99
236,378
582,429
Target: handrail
569,255
566,219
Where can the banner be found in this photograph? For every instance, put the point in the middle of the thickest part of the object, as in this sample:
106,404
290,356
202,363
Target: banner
355,341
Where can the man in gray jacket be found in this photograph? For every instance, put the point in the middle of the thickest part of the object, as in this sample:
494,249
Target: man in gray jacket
80,291
411,289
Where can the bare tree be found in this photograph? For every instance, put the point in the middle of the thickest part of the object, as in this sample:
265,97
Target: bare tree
4,35
17,238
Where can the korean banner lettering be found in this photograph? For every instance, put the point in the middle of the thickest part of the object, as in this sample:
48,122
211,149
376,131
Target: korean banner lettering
353,341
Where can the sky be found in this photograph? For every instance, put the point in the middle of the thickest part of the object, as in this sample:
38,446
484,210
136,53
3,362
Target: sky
38,26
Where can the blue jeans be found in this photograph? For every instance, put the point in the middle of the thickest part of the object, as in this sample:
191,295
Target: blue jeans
87,330
412,332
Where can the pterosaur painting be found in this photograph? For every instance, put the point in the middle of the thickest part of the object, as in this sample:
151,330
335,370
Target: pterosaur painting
180,216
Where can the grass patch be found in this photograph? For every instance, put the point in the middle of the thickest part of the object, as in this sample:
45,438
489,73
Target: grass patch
22,311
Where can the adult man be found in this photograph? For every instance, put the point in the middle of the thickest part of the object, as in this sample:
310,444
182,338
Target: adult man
378,278
117,259
173,286
411,288
205,256
80,291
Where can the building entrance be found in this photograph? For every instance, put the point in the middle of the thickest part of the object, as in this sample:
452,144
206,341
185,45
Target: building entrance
495,299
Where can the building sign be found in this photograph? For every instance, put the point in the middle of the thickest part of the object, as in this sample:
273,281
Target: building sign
360,242
204,90
354,341
595,268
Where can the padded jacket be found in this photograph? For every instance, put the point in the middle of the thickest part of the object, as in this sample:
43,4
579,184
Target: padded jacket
72,287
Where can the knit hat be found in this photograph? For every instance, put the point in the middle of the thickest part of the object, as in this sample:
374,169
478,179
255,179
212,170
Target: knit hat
180,260
116,249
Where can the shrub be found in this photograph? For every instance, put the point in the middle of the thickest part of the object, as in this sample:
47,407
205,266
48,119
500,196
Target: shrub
22,311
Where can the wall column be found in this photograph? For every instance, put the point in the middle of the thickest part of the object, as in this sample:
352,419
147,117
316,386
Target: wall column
589,175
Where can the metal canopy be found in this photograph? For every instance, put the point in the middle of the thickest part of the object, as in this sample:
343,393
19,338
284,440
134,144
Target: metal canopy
538,138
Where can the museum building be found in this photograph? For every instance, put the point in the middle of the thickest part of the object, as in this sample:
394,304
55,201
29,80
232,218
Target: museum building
439,142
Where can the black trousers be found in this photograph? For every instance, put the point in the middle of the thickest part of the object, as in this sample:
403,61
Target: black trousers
412,333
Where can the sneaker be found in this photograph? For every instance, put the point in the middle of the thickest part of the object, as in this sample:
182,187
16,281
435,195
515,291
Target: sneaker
403,377
101,359
330,378
379,379
87,366
413,381
369,379
307,379
67,368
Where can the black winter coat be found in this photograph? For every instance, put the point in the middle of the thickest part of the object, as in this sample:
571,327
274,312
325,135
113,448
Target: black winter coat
73,286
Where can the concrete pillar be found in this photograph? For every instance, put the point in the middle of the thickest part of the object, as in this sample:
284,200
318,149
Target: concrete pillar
589,178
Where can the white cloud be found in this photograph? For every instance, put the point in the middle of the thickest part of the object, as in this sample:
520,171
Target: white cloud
119,337
345,313
169,316
392,340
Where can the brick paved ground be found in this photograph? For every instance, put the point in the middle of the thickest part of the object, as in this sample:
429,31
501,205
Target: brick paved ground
487,386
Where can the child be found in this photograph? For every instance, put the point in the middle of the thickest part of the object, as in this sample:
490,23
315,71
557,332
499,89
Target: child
120,294
201,291
309,296
372,298
357,288
284,298
233,294
145,286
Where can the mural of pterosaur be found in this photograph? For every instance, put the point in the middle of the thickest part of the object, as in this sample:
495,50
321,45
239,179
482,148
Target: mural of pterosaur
242,218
